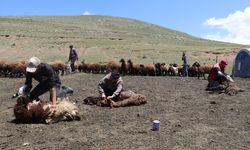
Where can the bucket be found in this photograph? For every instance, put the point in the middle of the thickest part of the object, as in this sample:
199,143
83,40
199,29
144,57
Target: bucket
156,125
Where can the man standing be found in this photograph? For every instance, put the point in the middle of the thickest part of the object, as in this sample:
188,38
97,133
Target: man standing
72,57
185,65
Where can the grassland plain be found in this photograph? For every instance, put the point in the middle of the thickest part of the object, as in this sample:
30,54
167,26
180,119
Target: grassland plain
103,38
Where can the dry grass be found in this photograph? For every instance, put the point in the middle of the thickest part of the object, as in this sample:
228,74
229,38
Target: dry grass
101,39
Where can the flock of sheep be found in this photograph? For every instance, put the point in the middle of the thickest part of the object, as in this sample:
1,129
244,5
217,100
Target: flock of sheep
15,69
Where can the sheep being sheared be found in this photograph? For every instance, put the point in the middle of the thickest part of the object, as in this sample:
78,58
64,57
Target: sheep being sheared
43,111
133,100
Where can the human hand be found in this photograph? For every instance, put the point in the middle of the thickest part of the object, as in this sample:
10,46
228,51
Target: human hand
29,105
103,96
53,105
109,97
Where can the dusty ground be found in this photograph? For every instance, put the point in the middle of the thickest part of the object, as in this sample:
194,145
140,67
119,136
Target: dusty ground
191,118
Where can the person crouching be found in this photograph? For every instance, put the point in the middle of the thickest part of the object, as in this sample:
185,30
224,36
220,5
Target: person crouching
45,75
112,92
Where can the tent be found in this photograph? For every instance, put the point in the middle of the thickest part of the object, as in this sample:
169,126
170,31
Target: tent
241,65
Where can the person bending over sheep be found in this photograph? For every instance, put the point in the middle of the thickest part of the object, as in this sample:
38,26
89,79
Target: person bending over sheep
217,76
48,81
112,92
219,80
42,111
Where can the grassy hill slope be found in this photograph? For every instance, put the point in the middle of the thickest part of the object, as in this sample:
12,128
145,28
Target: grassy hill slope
101,39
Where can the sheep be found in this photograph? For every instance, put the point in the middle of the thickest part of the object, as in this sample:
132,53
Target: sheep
42,111
135,69
7,67
113,65
64,110
124,67
193,70
133,100
227,87
204,69
150,69
164,69
58,66
139,69
33,112
131,70
82,67
161,69
103,68
19,69
231,88
95,67
172,70
180,70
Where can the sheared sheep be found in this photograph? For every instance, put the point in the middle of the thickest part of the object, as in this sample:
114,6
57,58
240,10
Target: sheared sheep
231,88
43,111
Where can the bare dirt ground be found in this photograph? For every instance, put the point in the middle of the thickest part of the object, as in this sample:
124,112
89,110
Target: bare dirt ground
191,118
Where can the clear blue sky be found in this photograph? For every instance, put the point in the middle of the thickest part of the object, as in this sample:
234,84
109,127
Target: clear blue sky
213,19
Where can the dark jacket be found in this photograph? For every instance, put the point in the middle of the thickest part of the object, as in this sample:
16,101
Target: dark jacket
44,75
184,59
73,55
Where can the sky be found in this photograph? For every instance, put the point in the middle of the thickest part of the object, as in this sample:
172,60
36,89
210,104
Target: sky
221,20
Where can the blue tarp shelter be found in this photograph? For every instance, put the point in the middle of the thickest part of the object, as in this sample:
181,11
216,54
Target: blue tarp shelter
241,66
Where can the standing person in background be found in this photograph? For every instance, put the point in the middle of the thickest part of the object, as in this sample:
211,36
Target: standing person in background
72,57
185,65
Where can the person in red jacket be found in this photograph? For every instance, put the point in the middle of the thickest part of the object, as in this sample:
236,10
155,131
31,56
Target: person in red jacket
217,76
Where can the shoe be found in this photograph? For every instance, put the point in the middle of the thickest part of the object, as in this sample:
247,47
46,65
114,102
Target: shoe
64,90
67,90
216,88
241,90
15,95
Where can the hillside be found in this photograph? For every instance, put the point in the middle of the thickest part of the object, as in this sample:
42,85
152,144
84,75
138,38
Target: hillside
101,39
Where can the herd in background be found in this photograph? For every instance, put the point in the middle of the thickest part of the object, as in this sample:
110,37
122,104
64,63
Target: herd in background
14,69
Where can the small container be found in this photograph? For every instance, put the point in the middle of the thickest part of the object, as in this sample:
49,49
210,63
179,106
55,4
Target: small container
156,125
